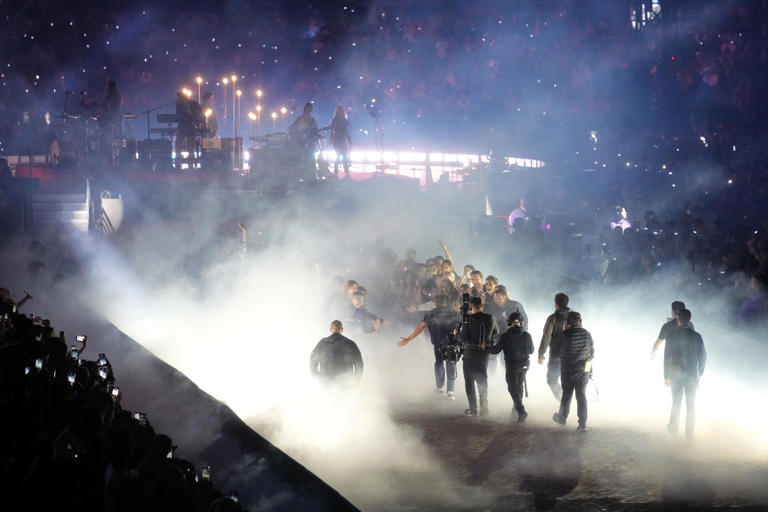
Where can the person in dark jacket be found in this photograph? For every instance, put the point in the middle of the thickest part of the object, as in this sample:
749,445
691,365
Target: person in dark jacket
684,362
476,335
336,357
550,339
576,352
440,322
668,327
517,346
502,306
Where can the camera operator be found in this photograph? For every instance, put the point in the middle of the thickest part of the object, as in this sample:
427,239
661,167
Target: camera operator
684,361
550,339
440,322
477,334
517,346
576,353
336,357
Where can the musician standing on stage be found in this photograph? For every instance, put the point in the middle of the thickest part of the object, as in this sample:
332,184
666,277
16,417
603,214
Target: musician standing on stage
304,134
340,140
111,123
211,121
190,121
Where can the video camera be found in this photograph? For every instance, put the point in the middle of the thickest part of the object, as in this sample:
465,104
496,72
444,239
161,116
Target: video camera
452,347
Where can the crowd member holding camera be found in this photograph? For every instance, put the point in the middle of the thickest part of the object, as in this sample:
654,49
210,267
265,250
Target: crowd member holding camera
576,353
336,357
550,340
69,445
440,322
684,362
517,346
477,334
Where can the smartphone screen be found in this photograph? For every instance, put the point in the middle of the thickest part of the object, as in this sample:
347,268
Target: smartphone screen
80,338
38,364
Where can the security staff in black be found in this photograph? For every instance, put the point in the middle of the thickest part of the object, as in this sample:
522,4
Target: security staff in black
684,362
476,335
550,340
517,346
336,358
440,322
576,352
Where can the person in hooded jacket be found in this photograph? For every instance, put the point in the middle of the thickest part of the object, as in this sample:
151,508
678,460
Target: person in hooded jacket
336,357
551,339
517,346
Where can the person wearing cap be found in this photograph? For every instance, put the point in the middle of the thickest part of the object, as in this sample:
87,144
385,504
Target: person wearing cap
517,346
576,352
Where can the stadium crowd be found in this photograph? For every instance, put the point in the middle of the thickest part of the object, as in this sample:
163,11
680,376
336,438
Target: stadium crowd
433,72
67,442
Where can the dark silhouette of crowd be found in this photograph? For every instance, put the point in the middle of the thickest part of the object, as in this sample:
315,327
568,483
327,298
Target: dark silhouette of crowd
475,71
67,444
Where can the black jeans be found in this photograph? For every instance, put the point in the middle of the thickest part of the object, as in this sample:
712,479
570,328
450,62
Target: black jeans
515,383
553,378
679,386
476,370
575,382
441,366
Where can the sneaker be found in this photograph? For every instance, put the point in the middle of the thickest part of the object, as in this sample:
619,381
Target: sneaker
672,429
470,412
484,411
439,391
450,396
582,428
521,417
557,418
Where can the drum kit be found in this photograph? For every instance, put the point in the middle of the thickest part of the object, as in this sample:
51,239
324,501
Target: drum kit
89,134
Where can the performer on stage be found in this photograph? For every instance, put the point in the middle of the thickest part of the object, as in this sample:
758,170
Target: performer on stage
111,124
340,140
190,122
211,121
304,134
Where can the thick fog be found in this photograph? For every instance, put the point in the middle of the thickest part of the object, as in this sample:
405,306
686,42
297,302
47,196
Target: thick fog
242,323
242,328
